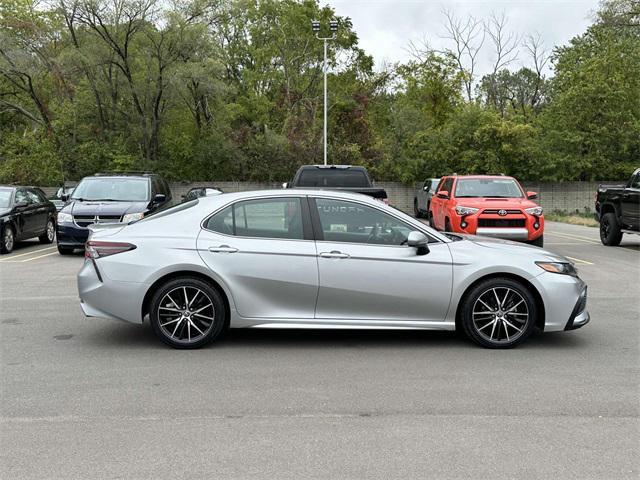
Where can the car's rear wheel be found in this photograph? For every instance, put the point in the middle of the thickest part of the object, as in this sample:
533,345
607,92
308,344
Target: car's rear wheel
498,313
49,233
416,210
8,240
432,224
187,312
610,233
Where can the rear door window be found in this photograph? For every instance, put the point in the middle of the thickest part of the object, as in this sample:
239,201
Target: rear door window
264,218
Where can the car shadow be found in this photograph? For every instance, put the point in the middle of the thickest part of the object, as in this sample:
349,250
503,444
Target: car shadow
124,336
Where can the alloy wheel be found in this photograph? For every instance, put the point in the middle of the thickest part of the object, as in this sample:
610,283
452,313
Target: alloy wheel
500,315
186,314
8,239
51,231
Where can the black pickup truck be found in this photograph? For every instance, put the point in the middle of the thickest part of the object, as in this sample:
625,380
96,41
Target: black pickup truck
618,209
337,177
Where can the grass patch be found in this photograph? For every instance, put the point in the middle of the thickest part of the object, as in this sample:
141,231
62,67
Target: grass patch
584,219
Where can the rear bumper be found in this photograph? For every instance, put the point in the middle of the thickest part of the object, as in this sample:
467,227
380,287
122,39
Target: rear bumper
105,298
69,235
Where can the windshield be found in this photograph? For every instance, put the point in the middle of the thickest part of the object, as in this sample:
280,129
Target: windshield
5,197
333,177
488,188
113,189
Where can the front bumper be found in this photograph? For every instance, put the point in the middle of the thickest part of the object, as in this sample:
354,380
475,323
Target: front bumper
520,234
579,315
529,229
70,235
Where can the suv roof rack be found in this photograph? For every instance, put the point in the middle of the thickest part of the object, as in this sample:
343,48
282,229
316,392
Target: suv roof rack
123,173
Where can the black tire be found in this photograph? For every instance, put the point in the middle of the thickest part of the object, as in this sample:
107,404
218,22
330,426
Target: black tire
610,233
430,219
480,296
49,234
8,240
538,242
416,210
447,225
170,291
64,250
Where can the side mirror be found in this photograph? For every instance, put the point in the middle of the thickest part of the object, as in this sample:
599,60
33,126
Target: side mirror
419,241
159,198
285,185
21,204
532,195
443,194
425,188
64,197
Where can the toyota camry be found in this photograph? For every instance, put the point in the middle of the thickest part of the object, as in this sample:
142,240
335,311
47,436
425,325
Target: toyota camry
320,259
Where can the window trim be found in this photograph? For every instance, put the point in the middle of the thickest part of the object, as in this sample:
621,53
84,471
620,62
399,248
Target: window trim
319,234
307,229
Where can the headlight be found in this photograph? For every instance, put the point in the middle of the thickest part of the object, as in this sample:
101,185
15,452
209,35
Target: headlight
64,218
537,211
460,210
564,268
132,217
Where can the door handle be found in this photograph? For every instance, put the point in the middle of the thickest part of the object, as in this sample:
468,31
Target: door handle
334,254
223,249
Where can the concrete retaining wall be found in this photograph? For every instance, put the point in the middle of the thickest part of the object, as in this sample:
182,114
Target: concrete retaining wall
565,197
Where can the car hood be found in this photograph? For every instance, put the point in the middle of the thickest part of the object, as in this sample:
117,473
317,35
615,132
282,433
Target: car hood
496,203
516,248
104,208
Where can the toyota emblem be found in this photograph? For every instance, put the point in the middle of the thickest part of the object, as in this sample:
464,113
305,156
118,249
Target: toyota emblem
502,213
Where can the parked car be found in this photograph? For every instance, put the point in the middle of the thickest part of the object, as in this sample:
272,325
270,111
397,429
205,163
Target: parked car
346,178
422,199
320,259
197,192
109,198
618,209
487,205
25,213
61,196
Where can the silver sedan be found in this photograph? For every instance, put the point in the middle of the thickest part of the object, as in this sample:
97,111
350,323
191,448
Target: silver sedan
320,259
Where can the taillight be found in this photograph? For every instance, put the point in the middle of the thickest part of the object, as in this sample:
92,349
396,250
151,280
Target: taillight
98,249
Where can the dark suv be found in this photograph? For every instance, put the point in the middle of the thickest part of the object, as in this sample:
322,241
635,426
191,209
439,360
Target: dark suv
109,198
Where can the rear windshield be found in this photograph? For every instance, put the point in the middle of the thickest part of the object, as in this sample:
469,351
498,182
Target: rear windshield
5,197
488,188
112,189
333,177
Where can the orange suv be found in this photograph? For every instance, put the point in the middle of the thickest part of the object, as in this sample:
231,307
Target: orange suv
488,205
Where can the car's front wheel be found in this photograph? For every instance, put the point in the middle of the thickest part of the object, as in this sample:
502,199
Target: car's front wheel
416,209
8,240
610,233
498,313
187,312
49,233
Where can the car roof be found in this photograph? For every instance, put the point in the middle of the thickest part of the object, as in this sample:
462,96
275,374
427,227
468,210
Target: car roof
298,192
480,176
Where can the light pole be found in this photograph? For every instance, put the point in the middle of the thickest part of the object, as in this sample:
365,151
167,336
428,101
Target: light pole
333,26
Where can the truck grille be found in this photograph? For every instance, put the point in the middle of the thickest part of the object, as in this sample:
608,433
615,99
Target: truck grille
501,222
86,220
494,211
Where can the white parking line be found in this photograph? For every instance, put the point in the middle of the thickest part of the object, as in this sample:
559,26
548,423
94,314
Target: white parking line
573,237
40,256
7,259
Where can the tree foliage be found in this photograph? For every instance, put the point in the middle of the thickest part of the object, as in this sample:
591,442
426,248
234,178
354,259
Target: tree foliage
232,90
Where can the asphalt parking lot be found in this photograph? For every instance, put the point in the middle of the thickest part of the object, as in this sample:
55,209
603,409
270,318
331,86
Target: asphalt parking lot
89,398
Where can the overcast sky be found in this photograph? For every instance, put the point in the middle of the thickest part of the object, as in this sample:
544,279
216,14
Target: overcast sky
385,27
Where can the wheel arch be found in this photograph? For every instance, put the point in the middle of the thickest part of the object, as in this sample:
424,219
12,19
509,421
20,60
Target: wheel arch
540,321
609,208
185,273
